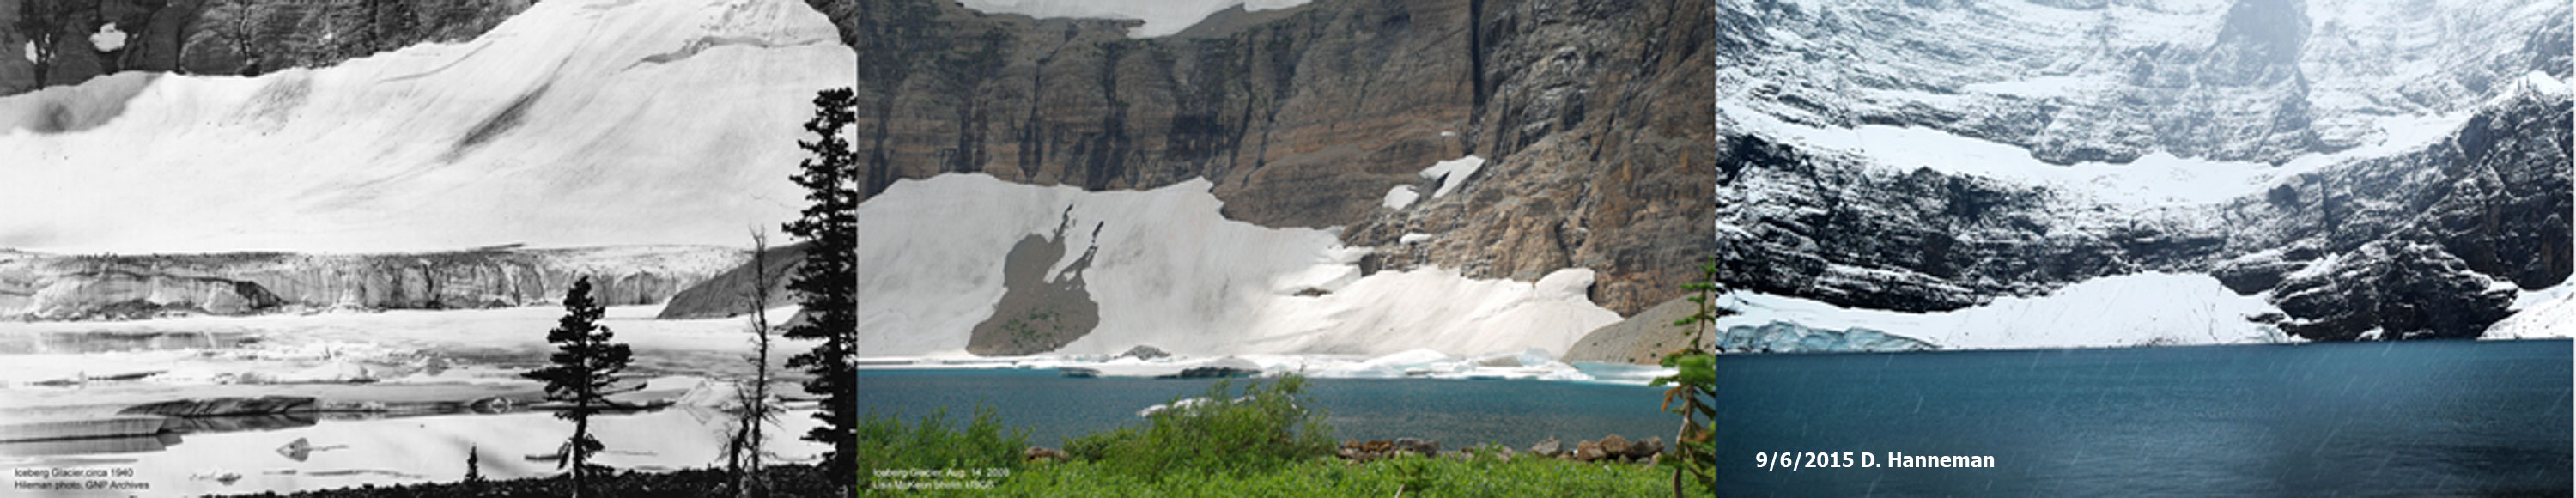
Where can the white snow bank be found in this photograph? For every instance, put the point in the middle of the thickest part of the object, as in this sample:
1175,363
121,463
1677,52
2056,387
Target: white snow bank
1452,173
577,122
1416,364
1162,17
1172,273
1400,197
2124,310
2542,314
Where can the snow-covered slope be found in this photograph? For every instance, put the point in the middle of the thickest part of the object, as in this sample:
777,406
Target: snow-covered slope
2340,169
1168,271
577,122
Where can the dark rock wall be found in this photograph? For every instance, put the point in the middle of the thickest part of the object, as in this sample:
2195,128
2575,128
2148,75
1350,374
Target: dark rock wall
2409,244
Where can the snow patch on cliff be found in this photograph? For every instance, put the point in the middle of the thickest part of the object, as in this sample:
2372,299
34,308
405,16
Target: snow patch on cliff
1170,272
2541,314
2124,310
1401,196
1452,173
1162,17
2155,180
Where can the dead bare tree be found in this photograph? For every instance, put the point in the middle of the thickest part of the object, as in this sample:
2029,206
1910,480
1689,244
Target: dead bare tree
752,408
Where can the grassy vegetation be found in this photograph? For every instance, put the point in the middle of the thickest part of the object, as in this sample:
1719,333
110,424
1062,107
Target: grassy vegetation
1260,442
885,443
1261,430
1415,476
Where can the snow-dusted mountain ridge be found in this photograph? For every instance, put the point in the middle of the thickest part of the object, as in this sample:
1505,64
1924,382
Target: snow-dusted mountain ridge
2104,80
2365,169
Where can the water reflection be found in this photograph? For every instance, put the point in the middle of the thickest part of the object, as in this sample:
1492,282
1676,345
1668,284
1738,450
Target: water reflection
241,422
90,446
115,342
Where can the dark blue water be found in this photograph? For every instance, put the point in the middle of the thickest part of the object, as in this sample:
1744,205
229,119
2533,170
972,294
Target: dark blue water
2426,418
1457,413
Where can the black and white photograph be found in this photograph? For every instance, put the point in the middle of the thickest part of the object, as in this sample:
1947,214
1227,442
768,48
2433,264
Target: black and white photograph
258,246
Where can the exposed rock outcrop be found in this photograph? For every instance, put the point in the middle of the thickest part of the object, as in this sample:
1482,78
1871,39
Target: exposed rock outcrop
1143,353
229,37
1040,310
730,293
1641,339
59,287
1592,116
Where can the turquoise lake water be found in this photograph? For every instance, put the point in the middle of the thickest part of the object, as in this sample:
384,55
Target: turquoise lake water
2424,418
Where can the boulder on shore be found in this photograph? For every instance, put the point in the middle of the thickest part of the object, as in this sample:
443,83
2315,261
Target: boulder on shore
1417,446
1550,447
1646,448
1614,446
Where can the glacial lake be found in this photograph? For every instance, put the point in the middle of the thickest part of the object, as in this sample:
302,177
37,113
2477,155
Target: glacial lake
1457,413
2425,418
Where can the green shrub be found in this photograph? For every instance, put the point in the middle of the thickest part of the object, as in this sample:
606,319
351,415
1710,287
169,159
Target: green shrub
1260,430
886,443
1417,476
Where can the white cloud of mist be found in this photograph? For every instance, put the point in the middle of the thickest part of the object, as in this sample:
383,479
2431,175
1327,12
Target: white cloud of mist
1162,17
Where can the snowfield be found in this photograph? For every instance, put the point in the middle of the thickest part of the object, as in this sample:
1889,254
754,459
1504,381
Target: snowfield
575,123
2125,310
2542,314
1168,271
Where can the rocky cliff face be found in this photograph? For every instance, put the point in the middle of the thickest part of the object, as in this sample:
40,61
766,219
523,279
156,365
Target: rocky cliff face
2093,80
58,287
2394,184
1592,116
242,37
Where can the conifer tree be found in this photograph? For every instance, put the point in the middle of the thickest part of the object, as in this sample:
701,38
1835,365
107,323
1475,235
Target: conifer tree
827,281
585,364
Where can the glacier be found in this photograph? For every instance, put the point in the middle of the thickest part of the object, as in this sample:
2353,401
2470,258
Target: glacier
1167,270
578,122
2141,309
